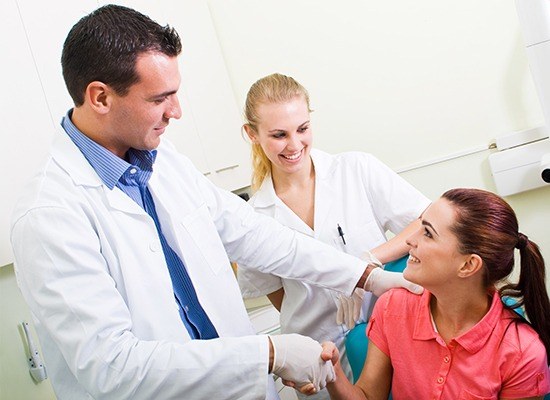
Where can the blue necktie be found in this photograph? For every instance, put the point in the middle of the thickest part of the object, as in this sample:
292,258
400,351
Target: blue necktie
192,314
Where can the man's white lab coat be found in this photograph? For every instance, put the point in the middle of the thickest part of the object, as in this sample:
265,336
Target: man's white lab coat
90,265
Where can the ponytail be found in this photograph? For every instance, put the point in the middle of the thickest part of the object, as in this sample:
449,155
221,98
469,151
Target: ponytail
261,166
531,289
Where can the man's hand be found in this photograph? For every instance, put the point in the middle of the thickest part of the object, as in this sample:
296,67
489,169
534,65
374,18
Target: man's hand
297,360
329,353
380,281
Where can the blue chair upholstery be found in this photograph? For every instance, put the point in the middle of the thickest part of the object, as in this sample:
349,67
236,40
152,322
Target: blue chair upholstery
509,301
356,340
357,344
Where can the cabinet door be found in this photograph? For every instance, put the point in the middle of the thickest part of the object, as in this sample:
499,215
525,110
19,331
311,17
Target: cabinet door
27,125
211,96
209,131
47,24
183,133
25,133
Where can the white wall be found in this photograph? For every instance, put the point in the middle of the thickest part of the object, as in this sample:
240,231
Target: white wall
434,76
473,171
407,81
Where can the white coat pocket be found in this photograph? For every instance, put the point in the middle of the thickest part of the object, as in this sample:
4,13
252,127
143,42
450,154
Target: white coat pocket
202,231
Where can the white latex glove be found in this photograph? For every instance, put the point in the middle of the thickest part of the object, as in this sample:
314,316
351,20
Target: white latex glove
380,281
297,358
349,308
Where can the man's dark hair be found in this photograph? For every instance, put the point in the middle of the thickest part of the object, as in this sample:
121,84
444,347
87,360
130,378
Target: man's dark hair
104,46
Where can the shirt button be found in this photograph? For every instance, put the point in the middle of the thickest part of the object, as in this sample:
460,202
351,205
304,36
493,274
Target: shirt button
133,171
440,379
154,247
186,308
447,359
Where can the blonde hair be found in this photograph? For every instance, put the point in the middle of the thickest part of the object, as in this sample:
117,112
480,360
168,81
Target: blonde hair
274,88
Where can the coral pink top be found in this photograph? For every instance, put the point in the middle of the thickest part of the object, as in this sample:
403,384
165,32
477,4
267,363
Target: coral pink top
500,357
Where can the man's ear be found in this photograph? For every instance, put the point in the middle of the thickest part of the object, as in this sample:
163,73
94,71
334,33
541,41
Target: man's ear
471,266
99,96
251,133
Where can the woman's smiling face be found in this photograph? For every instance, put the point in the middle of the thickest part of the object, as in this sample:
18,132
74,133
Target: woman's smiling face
434,258
284,133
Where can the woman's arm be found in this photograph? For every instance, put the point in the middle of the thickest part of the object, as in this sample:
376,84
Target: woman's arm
373,384
396,247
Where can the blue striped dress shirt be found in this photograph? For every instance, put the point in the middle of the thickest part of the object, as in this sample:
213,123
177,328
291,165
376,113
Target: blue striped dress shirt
131,177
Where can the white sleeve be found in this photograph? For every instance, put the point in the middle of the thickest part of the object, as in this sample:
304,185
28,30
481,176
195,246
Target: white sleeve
262,243
254,283
68,287
395,201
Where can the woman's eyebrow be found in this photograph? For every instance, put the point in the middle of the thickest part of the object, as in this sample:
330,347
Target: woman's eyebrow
426,223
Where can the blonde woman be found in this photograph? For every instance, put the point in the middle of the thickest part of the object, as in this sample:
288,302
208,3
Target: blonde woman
347,200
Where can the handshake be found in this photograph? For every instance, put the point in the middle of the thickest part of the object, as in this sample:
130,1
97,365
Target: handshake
297,360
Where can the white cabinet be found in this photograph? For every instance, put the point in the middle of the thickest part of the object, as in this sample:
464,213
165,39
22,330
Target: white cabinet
27,125
47,24
209,130
31,37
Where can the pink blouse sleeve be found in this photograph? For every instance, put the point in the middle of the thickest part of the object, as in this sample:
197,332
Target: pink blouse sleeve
529,374
376,330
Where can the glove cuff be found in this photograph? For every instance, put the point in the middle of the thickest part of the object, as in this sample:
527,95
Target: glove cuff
371,258
276,366
371,279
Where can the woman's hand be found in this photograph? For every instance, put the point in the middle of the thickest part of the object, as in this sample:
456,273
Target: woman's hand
330,352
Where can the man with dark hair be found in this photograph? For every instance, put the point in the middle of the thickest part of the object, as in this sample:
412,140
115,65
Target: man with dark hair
122,247
99,49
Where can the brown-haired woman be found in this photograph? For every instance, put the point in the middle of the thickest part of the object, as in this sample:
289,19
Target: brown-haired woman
458,340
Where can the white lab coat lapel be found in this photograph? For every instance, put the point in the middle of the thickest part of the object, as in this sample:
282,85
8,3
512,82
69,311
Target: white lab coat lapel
71,159
122,202
268,199
323,165
164,323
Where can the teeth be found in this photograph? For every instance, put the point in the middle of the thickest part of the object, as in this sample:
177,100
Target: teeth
413,258
292,156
